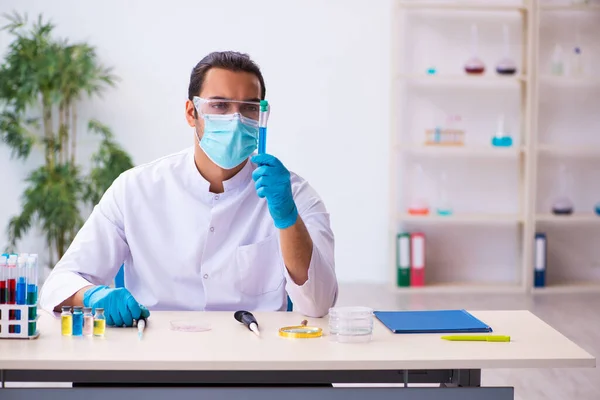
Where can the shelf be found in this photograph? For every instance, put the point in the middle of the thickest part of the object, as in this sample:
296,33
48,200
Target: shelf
462,288
570,7
568,288
567,81
461,6
572,151
481,219
577,218
490,79
464,151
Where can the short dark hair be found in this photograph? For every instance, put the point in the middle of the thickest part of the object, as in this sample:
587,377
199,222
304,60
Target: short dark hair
229,60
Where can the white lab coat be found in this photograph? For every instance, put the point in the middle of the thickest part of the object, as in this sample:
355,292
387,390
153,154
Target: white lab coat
185,248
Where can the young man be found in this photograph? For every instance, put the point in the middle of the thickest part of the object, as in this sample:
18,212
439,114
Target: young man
213,227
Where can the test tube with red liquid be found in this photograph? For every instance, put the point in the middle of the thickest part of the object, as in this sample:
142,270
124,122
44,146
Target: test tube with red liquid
3,272
11,287
11,279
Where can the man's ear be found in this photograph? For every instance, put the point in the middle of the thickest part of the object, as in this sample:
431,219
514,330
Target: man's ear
190,113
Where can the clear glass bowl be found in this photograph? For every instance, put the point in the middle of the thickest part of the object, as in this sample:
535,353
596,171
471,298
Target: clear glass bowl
351,324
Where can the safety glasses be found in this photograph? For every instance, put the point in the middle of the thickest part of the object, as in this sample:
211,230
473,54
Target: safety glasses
213,107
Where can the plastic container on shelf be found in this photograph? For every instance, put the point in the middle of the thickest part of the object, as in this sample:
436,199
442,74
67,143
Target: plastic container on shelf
563,205
444,205
474,65
351,324
506,65
419,204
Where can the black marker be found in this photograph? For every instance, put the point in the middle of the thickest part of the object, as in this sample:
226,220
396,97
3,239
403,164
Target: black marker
247,319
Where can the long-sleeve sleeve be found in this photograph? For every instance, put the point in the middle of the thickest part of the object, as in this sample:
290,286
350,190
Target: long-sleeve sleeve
94,256
320,291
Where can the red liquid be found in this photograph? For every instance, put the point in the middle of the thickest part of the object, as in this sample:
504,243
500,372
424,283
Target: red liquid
2,292
475,70
12,291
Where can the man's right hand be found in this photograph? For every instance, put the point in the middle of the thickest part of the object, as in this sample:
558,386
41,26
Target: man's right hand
120,307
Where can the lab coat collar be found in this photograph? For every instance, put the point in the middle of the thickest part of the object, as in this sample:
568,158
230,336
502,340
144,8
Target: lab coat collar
200,187
241,179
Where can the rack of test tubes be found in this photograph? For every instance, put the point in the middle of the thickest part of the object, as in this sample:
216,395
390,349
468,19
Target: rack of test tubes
18,296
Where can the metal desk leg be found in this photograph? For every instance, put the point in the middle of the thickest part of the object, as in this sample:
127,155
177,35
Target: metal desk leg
464,378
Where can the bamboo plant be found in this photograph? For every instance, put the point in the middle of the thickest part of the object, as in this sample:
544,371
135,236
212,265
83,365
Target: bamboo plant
43,80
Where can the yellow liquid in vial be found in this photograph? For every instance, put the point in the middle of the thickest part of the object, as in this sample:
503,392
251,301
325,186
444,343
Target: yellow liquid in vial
66,325
99,327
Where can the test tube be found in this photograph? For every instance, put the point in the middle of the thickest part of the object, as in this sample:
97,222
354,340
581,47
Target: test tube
11,288
32,286
32,279
262,126
11,279
22,278
3,266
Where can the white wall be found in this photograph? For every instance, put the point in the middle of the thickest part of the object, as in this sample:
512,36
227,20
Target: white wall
327,68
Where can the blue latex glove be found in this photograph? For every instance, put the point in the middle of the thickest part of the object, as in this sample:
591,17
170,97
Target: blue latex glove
272,180
120,307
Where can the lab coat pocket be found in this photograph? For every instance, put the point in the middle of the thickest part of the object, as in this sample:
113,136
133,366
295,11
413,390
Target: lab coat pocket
260,267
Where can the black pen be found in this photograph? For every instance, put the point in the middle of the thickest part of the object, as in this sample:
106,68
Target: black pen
247,319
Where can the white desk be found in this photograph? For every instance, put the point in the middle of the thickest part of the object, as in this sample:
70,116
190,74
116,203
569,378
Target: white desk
231,354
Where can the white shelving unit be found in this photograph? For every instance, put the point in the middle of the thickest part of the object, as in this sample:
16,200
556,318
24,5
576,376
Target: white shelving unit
573,262
462,5
515,224
464,151
465,219
573,256
574,219
569,151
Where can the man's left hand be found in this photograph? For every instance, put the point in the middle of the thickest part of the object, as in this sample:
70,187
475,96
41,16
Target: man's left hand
272,181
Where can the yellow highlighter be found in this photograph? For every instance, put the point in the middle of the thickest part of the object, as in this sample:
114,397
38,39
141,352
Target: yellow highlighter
477,338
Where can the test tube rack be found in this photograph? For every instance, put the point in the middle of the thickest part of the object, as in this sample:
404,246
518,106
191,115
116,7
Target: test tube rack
444,137
21,318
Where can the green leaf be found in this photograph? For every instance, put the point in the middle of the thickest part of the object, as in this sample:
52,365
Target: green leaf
107,163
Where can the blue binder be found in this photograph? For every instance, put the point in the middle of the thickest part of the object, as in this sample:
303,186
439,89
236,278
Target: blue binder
443,321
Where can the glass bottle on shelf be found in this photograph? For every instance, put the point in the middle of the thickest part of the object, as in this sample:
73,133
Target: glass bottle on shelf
562,205
419,204
502,138
506,65
576,65
557,66
474,65
444,206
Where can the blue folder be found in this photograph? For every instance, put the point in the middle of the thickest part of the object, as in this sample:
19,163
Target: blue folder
443,321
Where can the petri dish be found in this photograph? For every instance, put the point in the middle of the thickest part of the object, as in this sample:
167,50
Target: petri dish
351,324
189,325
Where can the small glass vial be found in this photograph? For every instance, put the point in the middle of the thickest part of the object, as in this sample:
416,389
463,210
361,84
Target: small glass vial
88,321
66,319
99,322
77,321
